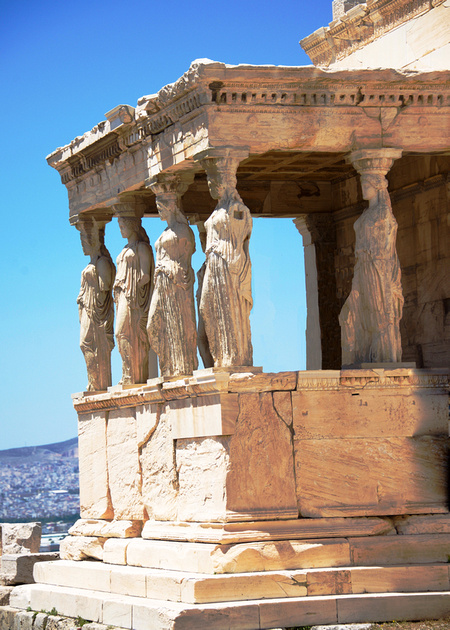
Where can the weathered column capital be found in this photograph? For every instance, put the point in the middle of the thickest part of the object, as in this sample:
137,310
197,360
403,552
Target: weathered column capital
301,223
129,205
221,164
99,216
239,153
315,227
373,161
91,221
170,184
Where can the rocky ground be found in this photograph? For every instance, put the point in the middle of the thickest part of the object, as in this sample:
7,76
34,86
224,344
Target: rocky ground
440,624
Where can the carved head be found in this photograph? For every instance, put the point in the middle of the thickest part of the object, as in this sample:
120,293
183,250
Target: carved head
167,205
372,184
128,226
92,235
221,176
131,228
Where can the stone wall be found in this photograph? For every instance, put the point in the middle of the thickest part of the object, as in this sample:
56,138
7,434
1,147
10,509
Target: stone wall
267,446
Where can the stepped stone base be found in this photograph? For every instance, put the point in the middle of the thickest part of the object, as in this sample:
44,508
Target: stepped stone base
144,614
306,582
192,588
266,555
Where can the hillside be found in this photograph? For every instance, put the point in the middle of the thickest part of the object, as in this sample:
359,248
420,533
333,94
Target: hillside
43,453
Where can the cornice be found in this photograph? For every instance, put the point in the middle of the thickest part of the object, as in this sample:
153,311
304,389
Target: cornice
161,391
215,87
359,26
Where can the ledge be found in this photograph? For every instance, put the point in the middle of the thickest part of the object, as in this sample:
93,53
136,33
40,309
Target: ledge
214,381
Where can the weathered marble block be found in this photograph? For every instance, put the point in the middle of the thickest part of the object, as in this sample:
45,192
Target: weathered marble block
372,442
203,416
95,501
235,477
365,477
18,568
124,471
20,538
157,463
377,413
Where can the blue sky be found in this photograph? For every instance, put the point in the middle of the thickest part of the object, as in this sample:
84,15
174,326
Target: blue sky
63,66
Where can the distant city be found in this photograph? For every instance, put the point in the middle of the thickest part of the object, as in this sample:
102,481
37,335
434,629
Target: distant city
40,483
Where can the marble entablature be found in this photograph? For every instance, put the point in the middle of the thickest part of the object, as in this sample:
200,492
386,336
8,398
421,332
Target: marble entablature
258,109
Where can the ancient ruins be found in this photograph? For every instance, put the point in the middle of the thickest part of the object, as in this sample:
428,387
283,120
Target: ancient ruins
223,496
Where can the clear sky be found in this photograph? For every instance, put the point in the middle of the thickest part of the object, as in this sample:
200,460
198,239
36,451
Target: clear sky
63,65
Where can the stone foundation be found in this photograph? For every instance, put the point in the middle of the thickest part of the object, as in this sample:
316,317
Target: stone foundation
203,449
252,500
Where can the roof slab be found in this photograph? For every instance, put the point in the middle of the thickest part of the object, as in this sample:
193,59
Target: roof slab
296,124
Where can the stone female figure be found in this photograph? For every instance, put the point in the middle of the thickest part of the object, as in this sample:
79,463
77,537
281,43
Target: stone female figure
132,294
95,306
370,317
226,298
171,321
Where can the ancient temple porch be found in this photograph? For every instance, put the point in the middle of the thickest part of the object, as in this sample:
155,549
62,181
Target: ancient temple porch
228,496
293,131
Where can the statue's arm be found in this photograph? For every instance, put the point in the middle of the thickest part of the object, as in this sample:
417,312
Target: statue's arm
186,244
146,263
105,274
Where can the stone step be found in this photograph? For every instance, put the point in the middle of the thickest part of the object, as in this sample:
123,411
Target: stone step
192,588
278,555
144,614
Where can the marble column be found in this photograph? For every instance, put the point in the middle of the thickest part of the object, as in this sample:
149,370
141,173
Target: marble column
202,339
171,324
226,298
323,348
371,315
133,289
95,303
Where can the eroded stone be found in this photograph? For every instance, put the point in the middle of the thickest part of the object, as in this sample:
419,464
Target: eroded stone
106,529
82,548
20,538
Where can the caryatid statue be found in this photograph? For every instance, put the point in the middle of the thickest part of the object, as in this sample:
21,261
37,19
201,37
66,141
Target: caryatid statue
226,298
95,304
171,321
371,315
132,294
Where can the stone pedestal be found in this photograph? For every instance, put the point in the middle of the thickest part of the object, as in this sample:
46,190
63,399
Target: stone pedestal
247,446
253,500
